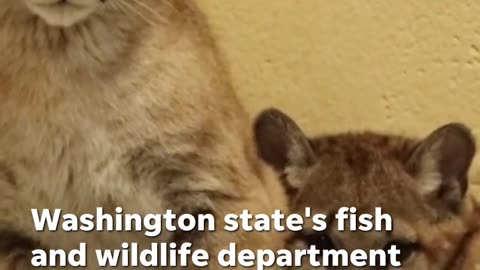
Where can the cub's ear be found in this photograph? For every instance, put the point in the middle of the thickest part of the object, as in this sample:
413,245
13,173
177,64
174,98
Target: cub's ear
283,145
441,163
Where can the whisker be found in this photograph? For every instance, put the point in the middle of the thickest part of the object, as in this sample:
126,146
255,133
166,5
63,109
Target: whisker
156,15
119,6
129,8
150,9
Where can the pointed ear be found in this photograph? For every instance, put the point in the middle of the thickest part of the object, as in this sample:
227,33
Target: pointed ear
283,145
441,163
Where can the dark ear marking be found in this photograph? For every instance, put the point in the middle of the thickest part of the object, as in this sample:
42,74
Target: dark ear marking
270,144
283,145
441,163
280,141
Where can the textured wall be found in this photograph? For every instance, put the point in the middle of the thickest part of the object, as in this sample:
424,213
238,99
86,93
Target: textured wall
398,66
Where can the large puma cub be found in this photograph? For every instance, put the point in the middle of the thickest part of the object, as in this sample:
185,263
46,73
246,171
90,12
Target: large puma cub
422,184
120,103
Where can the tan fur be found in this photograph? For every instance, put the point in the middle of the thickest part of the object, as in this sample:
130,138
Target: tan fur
369,169
472,260
469,258
132,107
415,181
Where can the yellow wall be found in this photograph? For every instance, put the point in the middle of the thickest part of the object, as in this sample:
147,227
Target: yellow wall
398,66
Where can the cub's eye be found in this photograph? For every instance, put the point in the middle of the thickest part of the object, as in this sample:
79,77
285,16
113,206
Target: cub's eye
320,241
406,249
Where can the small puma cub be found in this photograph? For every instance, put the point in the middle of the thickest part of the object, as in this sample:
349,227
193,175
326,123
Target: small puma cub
421,184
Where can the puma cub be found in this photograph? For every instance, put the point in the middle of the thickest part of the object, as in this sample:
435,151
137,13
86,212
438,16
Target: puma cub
120,103
422,184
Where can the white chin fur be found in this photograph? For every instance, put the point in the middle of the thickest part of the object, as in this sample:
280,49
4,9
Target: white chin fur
62,15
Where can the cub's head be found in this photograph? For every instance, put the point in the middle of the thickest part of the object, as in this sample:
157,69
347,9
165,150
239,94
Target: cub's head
421,184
